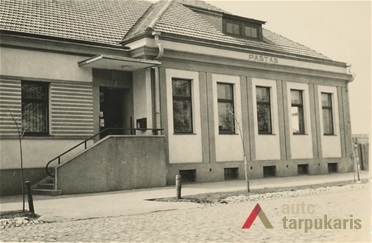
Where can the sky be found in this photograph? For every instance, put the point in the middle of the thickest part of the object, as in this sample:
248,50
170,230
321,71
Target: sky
340,30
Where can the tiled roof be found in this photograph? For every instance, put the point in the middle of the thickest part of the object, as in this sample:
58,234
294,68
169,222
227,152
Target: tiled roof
180,20
200,4
148,19
109,21
98,21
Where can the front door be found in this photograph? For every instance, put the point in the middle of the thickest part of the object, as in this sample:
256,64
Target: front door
111,110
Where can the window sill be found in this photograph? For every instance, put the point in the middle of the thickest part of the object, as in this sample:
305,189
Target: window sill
267,134
183,134
330,135
228,134
37,136
300,134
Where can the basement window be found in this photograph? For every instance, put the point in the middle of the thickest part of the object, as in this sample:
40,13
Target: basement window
231,173
332,167
269,171
303,169
188,176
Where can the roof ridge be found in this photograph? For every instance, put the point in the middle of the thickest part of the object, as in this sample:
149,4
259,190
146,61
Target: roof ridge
161,12
201,4
149,19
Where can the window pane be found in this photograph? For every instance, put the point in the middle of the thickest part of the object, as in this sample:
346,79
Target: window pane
34,90
181,87
226,117
327,121
263,118
296,97
34,117
297,120
250,31
225,91
254,33
326,99
182,116
236,29
229,28
263,94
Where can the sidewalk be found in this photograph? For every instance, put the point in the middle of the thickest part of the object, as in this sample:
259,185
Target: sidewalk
130,202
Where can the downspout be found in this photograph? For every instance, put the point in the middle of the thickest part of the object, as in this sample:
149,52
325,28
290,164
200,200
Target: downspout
156,35
353,143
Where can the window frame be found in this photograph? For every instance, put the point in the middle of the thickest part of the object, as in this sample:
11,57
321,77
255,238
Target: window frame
233,22
301,108
242,24
330,109
230,101
253,27
189,98
266,103
45,101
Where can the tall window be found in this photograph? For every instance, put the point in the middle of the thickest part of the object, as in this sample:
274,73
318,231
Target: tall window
327,114
35,108
297,111
263,110
182,106
225,95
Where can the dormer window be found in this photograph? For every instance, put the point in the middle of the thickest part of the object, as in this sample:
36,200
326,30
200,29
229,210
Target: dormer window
242,27
232,28
250,31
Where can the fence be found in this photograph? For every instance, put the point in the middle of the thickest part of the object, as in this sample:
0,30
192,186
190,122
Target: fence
362,150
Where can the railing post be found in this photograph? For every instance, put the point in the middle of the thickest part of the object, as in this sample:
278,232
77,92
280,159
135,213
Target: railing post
85,144
59,160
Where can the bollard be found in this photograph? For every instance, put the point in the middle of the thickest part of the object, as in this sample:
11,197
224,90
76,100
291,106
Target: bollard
30,201
178,186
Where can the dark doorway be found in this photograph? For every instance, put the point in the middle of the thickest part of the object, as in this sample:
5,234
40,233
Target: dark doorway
111,111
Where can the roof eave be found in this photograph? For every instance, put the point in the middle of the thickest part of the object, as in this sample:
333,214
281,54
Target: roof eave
73,41
244,18
220,44
145,34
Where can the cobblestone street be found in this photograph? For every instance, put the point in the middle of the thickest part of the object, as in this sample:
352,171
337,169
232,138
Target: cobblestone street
221,223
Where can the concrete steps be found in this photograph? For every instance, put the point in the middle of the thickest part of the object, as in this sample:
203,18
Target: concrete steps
46,187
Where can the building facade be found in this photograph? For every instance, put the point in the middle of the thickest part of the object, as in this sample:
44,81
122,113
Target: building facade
184,87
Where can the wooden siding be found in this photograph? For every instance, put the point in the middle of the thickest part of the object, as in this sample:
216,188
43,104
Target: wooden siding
10,105
71,109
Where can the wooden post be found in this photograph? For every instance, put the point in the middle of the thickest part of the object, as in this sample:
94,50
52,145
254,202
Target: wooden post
356,159
30,201
178,186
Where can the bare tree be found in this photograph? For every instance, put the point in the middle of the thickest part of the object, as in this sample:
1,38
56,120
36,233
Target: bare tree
21,132
244,153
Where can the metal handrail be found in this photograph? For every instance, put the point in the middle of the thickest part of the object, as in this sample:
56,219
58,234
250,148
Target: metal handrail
90,138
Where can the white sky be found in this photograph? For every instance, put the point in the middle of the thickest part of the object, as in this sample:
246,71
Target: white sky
341,30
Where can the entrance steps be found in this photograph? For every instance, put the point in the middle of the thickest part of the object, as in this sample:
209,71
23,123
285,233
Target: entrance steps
46,187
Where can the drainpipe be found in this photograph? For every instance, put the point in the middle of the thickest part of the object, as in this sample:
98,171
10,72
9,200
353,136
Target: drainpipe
353,154
156,35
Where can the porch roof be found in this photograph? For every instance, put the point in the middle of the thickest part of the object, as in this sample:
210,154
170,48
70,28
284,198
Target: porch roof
117,63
